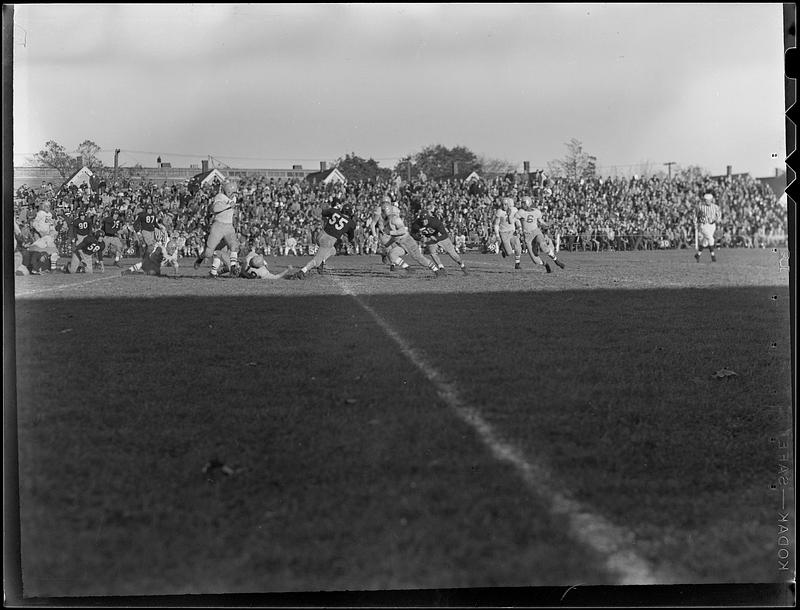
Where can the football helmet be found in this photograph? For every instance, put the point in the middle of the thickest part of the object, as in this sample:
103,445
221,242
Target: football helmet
171,247
257,261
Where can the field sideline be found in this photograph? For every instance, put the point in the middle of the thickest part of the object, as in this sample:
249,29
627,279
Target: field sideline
360,431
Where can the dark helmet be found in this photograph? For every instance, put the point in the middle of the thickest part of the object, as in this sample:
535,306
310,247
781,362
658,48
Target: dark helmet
347,210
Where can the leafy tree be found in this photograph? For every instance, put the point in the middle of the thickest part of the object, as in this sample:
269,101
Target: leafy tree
54,155
88,151
576,163
356,169
437,162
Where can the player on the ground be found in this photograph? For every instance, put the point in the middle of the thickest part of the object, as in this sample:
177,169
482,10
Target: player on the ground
708,214
531,223
432,234
255,267
338,223
84,253
221,210
504,231
393,234
155,258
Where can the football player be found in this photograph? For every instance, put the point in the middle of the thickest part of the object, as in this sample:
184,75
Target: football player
255,267
221,210
111,225
337,223
529,219
84,253
504,231
155,258
432,234
392,233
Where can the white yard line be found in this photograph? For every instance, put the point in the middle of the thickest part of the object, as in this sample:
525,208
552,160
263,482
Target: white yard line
64,286
612,542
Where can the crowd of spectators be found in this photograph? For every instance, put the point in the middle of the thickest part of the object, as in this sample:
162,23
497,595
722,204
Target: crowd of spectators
279,217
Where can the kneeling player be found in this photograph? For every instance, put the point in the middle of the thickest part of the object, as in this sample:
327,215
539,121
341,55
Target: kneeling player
84,253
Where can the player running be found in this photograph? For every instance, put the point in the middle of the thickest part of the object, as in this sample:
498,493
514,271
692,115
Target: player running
531,223
388,226
504,231
708,214
338,223
432,234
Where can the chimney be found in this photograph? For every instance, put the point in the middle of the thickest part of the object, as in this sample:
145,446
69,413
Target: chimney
455,168
205,165
728,170
323,166
526,165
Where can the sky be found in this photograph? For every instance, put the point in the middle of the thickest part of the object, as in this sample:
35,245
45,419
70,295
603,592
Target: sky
274,85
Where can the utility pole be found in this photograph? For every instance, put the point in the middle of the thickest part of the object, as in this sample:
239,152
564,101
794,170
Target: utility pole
116,163
669,165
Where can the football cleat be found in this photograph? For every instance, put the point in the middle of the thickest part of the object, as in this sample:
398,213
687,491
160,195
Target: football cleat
116,263
101,267
559,263
697,256
321,268
35,272
548,267
300,275
213,274
197,263
392,267
126,272
517,266
464,270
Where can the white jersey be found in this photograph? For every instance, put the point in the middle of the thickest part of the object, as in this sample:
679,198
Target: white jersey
388,220
43,224
222,207
504,220
529,219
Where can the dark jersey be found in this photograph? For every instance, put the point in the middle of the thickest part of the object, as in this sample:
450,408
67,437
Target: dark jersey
82,228
145,222
429,230
111,226
336,223
92,245
152,259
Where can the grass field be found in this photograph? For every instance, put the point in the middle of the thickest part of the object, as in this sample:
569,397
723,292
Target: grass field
371,432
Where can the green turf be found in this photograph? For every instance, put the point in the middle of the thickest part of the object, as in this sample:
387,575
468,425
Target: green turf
350,473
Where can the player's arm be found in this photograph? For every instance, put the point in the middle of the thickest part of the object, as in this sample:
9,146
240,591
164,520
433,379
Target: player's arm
497,225
373,224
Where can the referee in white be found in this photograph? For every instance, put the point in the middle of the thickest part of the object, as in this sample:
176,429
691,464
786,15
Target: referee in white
708,214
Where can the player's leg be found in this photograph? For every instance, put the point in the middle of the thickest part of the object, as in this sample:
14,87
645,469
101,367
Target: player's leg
412,247
326,249
516,248
233,248
447,245
215,236
712,242
430,250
